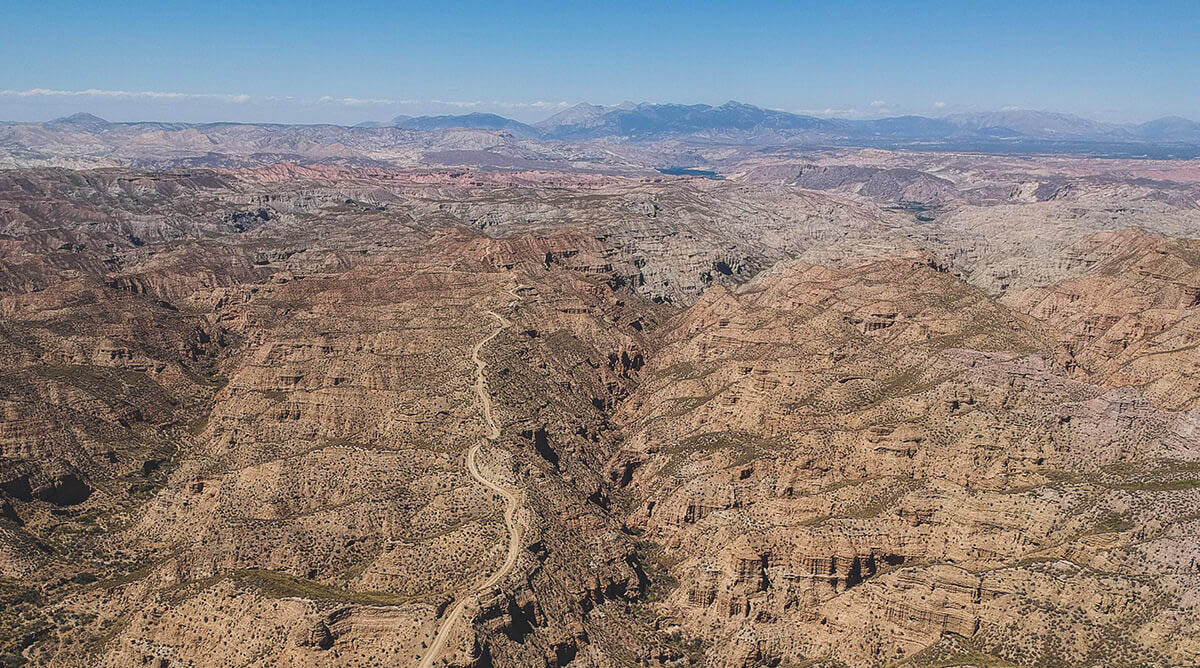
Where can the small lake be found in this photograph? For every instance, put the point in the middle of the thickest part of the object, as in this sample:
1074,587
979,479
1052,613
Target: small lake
688,171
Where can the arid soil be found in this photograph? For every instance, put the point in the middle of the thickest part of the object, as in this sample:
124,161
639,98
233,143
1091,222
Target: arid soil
841,408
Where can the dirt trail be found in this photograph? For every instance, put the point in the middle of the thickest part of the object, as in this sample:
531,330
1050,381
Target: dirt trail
511,503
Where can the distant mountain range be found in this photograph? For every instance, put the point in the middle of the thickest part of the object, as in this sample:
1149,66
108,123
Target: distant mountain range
732,123
735,120
469,121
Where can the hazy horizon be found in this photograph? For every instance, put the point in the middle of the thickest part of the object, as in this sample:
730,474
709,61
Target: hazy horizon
465,109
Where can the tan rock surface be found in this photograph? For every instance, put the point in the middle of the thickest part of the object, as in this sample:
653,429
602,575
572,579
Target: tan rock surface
345,415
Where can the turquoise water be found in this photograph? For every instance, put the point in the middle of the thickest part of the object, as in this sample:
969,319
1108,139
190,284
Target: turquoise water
688,171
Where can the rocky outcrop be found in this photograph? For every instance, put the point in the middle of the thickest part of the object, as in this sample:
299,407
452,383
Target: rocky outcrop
749,423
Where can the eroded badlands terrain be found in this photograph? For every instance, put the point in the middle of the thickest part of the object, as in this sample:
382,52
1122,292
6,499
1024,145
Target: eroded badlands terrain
841,408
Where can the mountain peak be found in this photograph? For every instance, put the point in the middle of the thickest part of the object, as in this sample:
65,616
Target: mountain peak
473,121
80,118
582,114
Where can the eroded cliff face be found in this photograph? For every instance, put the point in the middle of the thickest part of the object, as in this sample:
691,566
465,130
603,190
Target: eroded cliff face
743,424
855,463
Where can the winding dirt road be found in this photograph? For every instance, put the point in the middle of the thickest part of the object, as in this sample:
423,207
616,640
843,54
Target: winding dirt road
511,502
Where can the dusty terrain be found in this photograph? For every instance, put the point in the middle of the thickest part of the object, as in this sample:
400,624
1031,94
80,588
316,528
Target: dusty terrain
844,407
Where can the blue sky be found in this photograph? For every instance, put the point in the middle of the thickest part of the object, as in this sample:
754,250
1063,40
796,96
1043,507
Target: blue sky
291,61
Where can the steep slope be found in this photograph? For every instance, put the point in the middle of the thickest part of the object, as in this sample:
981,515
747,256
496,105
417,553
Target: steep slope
855,464
1131,319
270,416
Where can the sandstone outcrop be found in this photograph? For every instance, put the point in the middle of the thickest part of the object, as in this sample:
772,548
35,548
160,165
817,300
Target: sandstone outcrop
917,410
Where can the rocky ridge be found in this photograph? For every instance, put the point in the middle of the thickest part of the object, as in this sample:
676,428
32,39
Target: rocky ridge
751,422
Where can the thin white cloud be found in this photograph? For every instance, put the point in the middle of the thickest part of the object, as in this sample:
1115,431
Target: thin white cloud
540,104
849,112
354,101
453,103
238,98
243,98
